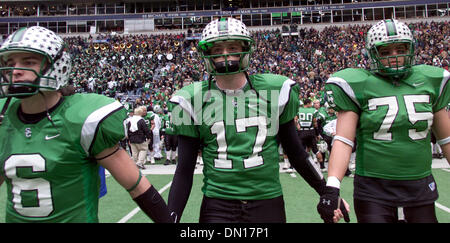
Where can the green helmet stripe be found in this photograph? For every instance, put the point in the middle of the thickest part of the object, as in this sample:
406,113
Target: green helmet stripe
18,35
390,28
222,25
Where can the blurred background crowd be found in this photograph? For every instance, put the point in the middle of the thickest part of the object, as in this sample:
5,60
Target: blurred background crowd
147,69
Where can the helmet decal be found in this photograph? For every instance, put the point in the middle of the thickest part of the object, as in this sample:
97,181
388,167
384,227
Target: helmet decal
18,35
390,28
223,27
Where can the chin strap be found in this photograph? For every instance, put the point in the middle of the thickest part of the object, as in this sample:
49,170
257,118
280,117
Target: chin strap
48,114
5,107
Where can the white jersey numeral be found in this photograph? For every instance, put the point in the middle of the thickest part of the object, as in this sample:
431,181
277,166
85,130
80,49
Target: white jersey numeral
242,124
413,116
19,185
218,128
383,133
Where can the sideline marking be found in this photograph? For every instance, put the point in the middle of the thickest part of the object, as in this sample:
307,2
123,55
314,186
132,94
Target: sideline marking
442,207
137,209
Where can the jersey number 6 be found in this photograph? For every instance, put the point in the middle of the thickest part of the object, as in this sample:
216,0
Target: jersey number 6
43,205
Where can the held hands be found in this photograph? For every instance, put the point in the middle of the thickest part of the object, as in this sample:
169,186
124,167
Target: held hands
331,207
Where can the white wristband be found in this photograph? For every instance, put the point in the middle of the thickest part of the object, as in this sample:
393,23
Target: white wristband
333,181
444,141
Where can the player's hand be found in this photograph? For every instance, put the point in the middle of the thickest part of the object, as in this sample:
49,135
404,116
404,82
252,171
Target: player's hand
338,213
331,207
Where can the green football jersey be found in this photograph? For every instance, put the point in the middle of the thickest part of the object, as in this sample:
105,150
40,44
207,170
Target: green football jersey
329,117
148,119
49,171
305,117
168,121
166,124
393,133
238,129
320,114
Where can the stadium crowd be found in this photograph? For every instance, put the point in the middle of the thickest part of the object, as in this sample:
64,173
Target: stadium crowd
152,67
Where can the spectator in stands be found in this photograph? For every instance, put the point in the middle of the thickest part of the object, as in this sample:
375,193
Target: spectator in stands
321,52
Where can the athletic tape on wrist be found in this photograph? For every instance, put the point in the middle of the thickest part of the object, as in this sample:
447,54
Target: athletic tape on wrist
344,140
444,141
333,181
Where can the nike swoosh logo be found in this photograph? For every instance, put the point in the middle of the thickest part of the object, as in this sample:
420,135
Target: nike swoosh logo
418,84
51,137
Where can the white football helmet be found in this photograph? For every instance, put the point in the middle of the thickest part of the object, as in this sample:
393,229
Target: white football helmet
322,146
387,32
157,109
226,29
41,41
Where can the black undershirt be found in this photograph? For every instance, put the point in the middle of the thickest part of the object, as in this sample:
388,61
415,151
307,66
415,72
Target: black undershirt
36,117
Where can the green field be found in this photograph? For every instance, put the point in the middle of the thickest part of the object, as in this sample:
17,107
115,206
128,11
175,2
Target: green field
300,199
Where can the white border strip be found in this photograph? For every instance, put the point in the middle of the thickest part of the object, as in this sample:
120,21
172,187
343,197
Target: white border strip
344,86
92,121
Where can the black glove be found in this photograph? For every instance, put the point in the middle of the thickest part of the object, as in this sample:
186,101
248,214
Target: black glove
330,201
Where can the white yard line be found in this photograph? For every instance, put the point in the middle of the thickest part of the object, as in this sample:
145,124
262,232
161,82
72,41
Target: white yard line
442,207
160,169
136,210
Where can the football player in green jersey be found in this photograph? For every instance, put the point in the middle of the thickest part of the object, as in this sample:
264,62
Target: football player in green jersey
235,117
390,110
321,115
170,138
306,124
53,141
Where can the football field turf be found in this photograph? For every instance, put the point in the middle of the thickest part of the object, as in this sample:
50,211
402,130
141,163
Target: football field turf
300,199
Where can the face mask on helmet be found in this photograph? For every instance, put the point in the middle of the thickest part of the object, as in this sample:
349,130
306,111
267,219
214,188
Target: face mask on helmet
226,34
227,57
390,46
21,72
33,59
227,66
